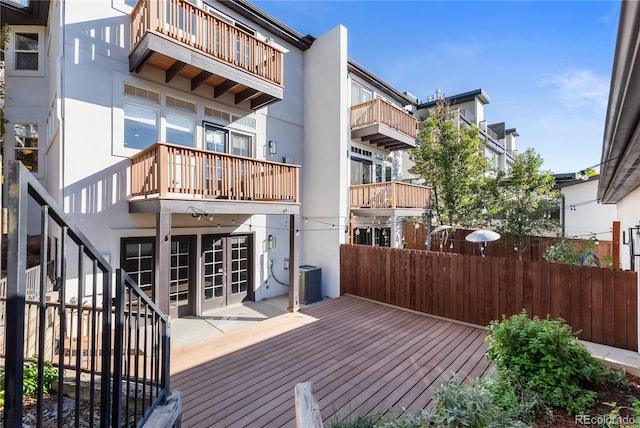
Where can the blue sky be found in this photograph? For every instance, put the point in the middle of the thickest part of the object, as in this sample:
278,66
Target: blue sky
546,65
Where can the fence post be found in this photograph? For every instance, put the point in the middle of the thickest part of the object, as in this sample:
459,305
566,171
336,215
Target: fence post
615,246
16,278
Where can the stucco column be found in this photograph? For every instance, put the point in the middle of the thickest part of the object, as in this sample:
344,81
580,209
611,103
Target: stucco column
162,261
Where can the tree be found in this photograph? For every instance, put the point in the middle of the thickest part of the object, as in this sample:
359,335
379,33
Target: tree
450,160
4,38
523,200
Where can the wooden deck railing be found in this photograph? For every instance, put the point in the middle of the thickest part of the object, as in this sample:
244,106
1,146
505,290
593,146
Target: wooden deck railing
187,24
601,304
170,170
379,111
390,194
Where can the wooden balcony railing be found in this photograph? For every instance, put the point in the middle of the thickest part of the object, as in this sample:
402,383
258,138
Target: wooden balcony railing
378,111
166,170
390,194
189,25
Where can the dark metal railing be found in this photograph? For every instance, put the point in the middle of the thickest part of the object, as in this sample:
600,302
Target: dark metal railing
118,348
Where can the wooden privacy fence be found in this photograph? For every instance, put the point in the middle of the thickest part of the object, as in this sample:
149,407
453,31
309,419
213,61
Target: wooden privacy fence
602,303
416,239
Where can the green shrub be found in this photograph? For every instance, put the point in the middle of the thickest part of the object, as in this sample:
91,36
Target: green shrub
358,422
516,400
545,355
30,378
456,406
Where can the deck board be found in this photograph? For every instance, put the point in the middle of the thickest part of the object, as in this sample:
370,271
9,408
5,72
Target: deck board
360,357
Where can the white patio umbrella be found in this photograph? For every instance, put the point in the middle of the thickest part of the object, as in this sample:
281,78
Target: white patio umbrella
482,237
443,231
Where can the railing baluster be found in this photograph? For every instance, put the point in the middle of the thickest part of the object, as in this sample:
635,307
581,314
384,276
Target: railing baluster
63,317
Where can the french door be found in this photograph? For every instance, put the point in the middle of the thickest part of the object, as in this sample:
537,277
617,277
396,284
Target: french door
226,262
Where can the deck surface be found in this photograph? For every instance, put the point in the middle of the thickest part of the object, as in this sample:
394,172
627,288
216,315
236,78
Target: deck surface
360,356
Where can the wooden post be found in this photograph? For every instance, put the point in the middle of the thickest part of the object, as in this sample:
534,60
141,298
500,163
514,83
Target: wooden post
294,263
162,261
162,165
307,409
351,223
615,246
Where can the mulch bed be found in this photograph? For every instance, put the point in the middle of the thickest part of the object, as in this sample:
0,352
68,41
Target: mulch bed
598,415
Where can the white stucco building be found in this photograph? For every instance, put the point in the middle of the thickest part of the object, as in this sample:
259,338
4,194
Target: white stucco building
619,173
204,146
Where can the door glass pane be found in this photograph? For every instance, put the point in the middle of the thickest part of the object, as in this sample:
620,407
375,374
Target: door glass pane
179,282
213,281
239,264
138,263
215,139
360,171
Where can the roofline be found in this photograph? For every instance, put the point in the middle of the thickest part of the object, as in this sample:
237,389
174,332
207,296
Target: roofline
513,131
275,26
367,75
37,13
461,98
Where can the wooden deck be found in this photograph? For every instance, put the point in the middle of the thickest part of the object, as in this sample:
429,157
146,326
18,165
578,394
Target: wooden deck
360,356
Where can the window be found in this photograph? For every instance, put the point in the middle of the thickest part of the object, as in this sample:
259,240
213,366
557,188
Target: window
215,139
180,130
140,126
360,171
359,94
26,51
137,259
241,145
26,145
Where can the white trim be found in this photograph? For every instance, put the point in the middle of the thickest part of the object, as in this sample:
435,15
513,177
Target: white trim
10,51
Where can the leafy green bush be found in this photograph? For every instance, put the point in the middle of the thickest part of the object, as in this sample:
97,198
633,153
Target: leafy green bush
545,355
30,378
515,400
456,406
569,252
358,422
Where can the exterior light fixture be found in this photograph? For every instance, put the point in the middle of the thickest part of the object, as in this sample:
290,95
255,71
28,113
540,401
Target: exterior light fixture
633,243
271,240
273,147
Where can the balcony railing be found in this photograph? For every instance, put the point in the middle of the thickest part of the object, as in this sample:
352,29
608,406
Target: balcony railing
378,111
166,170
492,134
468,116
390,194
182,22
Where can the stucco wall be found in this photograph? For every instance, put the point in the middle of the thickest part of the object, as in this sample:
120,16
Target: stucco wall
587,216
325,175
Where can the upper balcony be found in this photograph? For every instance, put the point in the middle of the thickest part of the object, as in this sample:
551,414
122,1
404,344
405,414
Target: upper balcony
175,178
384,125
382,198
183,40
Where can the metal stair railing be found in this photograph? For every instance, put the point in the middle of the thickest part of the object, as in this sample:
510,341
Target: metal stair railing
116,346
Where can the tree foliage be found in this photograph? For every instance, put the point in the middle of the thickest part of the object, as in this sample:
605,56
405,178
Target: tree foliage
450,160
4,39
522,202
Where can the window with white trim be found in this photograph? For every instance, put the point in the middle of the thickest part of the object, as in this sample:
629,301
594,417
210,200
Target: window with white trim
241,144
25,136
359,94
180,130
140,126
25,50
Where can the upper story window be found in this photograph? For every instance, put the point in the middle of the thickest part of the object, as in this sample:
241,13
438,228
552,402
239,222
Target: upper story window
218,139
26,145
140,126
359,94
25,53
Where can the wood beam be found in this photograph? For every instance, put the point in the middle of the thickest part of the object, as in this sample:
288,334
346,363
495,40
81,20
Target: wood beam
245,94
224,87
615,246
294,262
200,79
174,70
261,101
146,57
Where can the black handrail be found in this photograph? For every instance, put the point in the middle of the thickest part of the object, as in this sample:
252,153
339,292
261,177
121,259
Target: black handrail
101,355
